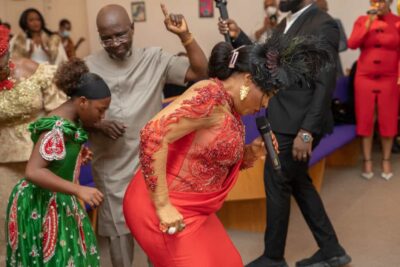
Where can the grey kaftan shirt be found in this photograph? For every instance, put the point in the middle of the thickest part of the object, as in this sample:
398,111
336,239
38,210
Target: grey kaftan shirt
136,85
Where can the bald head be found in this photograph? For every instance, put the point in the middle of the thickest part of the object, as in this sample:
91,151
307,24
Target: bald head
115,30
270,3
112,15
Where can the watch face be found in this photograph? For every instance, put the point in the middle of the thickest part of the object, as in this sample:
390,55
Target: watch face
306,137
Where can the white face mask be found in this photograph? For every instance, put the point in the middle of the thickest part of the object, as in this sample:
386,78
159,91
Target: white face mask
65,34
270,11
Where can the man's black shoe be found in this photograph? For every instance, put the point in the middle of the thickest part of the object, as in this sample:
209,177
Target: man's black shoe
264,261
319,260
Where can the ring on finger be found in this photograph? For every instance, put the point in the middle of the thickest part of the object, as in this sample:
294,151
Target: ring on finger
172,230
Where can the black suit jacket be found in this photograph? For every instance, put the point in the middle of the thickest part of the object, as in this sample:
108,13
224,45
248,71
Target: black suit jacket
308,106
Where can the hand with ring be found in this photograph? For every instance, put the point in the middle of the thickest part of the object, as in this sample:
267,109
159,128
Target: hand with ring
173,230
171,221
301,150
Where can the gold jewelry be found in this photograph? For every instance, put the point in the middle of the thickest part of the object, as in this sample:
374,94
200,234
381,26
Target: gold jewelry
189,40
244,91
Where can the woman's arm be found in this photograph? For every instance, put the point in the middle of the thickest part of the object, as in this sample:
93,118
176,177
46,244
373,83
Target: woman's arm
37,173
360,30
172,123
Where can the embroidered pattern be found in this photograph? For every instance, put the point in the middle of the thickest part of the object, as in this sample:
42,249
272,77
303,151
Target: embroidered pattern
52,146
71,262
78,219
13,224
34,215
93,250
78,165
34,252
50,230
209,164
13,218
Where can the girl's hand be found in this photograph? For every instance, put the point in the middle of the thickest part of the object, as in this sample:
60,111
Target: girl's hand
89,195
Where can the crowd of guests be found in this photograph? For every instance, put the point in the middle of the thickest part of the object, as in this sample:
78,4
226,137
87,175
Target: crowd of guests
40,44
51,103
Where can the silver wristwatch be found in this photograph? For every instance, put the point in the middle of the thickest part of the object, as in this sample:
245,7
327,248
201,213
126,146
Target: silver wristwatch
306,137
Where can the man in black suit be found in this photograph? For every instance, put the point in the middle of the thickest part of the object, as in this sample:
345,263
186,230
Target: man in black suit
300,116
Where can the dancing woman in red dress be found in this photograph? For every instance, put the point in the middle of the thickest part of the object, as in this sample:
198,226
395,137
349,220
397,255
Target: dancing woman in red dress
192,151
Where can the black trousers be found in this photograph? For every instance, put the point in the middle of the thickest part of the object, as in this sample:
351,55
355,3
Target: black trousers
294,180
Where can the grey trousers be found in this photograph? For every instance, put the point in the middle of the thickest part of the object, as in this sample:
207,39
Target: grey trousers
121,250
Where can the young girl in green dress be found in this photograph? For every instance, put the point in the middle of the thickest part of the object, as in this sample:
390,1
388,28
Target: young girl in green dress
46,225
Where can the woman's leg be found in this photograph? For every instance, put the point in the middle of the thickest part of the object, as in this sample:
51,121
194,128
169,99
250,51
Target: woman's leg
388,107
367,142
367,153
387,143
365,109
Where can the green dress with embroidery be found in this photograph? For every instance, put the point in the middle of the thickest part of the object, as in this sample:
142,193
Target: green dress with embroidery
46,228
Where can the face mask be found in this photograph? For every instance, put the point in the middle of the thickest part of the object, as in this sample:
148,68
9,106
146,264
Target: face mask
289,5
65,34
270,11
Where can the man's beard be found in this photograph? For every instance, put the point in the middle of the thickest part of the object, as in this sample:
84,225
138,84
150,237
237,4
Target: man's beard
289,5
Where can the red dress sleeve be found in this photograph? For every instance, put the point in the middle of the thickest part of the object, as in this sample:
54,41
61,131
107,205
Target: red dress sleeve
358,34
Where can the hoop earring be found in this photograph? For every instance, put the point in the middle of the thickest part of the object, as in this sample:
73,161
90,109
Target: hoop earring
244,91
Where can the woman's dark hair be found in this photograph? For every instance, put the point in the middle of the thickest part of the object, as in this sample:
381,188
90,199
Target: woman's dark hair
275,64
23,22
75,80
221,55
69,74
64,22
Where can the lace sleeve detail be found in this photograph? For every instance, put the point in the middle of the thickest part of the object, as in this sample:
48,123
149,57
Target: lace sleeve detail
192,113
52,146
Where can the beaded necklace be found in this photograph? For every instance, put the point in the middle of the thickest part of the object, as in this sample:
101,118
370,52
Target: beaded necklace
9,82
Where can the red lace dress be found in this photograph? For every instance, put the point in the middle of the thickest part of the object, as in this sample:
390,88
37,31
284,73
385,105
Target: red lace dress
194,147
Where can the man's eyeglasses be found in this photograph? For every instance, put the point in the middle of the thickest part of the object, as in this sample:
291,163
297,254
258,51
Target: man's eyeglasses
117,40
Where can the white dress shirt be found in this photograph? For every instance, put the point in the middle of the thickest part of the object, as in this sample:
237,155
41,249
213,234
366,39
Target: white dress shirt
291,18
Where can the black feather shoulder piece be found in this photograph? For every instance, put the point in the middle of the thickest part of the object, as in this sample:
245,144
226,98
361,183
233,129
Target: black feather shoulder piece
280,61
